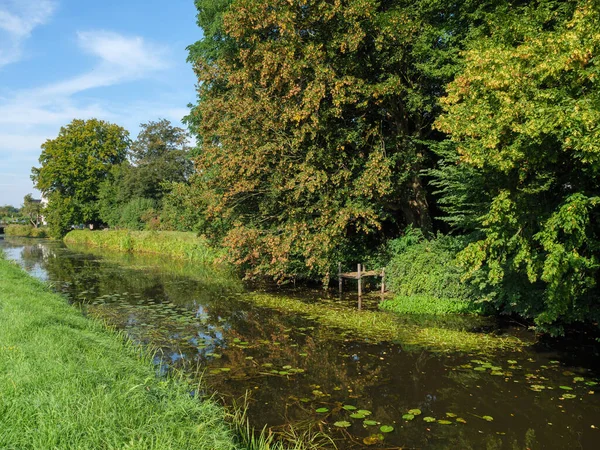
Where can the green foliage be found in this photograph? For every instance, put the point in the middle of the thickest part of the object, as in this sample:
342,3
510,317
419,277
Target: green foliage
159,156
522,117
72,167
26,231
420,266
136,213
314,122
90,385
33,210
61,214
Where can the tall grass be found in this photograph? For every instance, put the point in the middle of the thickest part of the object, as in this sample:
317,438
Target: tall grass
68,383
25,231
173,244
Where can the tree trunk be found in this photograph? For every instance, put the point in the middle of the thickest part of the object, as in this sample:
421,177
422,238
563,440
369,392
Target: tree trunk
415,207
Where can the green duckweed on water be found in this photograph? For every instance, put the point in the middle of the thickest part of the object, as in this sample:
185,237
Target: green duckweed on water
383,326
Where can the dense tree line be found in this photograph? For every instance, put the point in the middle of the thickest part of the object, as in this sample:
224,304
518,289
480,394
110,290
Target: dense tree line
324,129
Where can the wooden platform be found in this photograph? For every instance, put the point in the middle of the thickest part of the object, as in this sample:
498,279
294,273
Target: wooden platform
355,275
359,275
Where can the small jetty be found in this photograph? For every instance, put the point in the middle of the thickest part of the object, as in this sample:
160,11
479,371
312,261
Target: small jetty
360,273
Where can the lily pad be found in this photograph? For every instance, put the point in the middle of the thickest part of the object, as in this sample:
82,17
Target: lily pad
357,416
386,428
408,416
569,396
349,407
364,412
342,424
488,418
444,422
429,419
370,422
461,420
322,410
415,412
566,388
449,414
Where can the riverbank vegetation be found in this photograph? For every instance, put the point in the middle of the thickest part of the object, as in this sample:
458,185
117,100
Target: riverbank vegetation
91,387
336,132
173,244
26,231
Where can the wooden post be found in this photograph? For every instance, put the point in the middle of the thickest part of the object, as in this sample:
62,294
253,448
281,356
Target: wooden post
340,276
359,283
383,280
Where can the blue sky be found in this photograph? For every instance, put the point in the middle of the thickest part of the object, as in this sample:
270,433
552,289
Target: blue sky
123,61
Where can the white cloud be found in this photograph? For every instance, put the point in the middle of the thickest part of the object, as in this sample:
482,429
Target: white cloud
30,116
18,18
121,59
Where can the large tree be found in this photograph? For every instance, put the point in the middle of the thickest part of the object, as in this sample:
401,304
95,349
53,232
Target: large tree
73,165
157,160
523,117
314,121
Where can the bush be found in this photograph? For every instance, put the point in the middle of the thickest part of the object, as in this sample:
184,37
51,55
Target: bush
428,267
135,213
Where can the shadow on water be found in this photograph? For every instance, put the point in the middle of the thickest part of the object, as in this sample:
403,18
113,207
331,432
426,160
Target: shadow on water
300,370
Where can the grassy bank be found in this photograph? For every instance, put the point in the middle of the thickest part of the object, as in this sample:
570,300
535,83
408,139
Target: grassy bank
25,231
68,383
174,244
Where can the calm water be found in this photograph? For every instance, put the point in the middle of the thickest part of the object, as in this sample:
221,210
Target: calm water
290,367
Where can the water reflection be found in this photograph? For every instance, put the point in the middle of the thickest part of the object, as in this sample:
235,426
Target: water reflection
201,322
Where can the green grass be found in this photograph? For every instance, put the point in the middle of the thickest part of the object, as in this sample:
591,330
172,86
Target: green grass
25,231
66,382
427,304
413,333
173,244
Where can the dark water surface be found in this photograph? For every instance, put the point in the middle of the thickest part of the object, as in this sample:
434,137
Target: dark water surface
292,366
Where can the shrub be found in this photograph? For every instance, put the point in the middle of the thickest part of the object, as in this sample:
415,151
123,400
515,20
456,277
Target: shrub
135,211
421,266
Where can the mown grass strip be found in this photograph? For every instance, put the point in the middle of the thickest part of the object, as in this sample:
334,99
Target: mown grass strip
173,244
383,326
66,382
